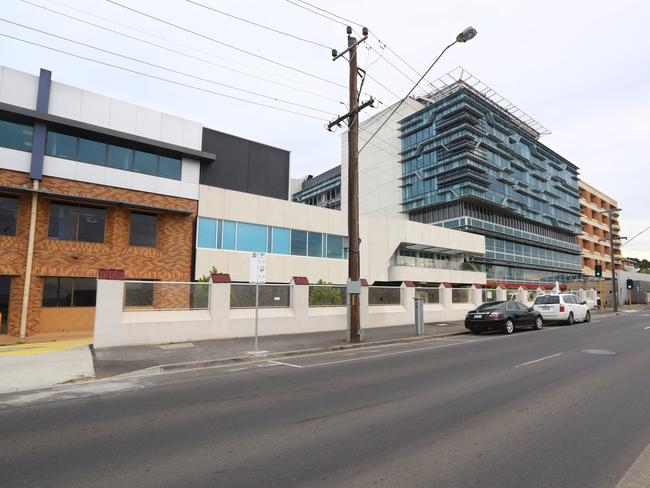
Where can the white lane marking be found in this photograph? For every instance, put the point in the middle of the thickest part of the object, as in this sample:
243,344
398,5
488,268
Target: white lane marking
646,328
236,369
285,364
638,474
538,360
377,355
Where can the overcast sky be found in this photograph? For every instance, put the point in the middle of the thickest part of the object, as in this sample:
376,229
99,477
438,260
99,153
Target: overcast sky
580,68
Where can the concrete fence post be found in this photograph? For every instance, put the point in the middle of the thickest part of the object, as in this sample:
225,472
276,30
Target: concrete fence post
522,294
407,298
445,296
476,295
501,294
300,301
108,312
582,294
363,305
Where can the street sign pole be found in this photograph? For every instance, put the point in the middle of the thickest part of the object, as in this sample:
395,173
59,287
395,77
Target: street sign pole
257,313
257,275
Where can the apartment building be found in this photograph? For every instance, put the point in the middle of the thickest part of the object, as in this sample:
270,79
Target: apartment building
323,190
594,241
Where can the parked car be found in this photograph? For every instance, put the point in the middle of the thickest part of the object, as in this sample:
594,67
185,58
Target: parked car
562,307
504,316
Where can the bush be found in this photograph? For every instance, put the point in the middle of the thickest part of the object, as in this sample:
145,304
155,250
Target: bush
326,295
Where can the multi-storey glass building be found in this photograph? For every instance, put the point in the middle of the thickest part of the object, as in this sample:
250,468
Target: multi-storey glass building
323,190
472,161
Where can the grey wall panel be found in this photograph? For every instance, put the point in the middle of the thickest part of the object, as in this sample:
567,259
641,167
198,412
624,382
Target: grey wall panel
244,165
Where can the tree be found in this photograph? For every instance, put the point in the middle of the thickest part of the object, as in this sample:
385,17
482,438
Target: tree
199,294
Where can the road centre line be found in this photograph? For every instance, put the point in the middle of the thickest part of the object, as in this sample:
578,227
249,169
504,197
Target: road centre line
538,360
285,364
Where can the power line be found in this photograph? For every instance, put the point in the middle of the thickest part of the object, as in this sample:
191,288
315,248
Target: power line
330,13
158,19
313,12
277,31
409,93
160,78
250,92
635,236
160,46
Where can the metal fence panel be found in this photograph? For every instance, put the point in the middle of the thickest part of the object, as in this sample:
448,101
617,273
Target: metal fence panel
327,296
489,295
242,295
460,295
429,295
384,295
164,295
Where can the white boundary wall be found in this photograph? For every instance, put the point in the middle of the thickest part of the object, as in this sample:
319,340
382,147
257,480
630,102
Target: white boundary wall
115,327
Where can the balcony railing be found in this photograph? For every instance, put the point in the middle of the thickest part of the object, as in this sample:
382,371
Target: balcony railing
420,262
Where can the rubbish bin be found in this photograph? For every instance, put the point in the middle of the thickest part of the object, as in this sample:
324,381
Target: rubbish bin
419,316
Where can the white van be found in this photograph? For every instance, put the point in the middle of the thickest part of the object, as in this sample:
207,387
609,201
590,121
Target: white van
562,307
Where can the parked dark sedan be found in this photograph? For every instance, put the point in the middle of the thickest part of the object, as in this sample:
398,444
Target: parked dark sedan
505,316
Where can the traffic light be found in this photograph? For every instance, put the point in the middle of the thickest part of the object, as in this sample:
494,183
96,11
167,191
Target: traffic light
599,271
629,284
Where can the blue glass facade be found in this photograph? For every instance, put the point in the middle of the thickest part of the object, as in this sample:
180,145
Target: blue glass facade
469,165
242,236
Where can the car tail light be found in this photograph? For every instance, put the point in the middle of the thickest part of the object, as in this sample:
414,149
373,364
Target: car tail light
561,308
495,316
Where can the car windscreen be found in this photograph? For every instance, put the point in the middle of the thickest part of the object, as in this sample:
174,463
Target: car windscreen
547,300
489,306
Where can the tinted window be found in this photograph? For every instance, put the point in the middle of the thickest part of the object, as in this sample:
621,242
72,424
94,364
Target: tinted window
280,240
92,151
334,246
119,157
84,292
57,292
521,307
61,145
143,230
207,233
228,235
299,242
547,300
490,306
16,136
251,237
91,224
144,162
74,222
511,306
315,244
8,216
169,167
569,299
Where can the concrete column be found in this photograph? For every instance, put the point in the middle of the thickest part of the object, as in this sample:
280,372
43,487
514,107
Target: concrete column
220,307
300,303
445,297
408,295
108,312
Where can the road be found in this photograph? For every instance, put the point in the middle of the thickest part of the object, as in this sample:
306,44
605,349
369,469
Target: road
561,407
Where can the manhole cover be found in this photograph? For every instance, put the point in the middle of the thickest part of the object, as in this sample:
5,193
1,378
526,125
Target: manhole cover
598,351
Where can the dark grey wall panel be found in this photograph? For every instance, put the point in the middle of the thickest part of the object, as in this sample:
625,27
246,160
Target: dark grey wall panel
244,165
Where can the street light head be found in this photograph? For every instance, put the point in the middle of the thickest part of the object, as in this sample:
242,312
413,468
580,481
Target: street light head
348,30
466,35
364,31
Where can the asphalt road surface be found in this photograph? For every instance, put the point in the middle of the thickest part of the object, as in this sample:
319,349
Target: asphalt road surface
561,407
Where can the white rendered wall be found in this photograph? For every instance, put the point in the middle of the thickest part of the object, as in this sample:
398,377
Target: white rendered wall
15,160
379,164
380,237
18,88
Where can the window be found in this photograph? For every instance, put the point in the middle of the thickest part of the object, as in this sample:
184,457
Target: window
334,246
299,242
251,237
76,223
315,244
144,162
143,230
119,157
8,216
207,233
92,152
69,292
61,145
169,167
280,242
228,235
16,136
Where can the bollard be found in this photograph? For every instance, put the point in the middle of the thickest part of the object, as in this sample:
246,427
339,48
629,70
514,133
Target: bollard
419,316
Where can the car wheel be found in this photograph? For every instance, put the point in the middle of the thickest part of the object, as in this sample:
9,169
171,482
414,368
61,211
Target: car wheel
588,316
509,327
570,320
539,323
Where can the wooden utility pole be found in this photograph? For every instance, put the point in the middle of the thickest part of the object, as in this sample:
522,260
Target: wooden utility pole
354,285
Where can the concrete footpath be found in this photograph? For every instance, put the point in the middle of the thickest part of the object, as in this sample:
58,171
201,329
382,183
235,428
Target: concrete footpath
38,365
120,360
